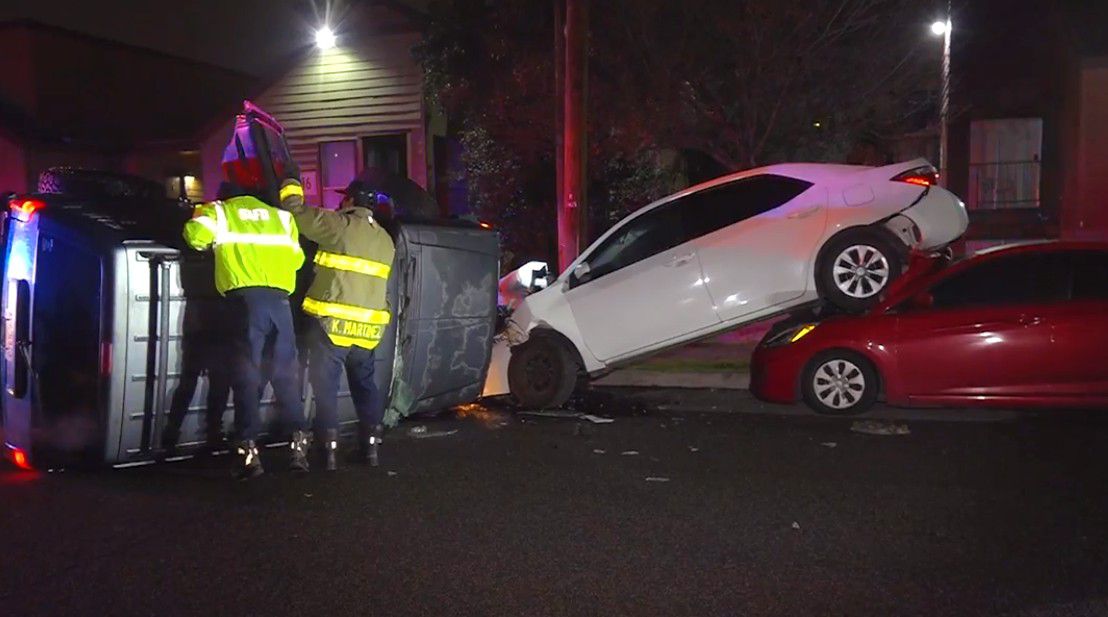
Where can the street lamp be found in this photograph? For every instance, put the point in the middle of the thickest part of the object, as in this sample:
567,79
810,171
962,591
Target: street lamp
324,38
943,28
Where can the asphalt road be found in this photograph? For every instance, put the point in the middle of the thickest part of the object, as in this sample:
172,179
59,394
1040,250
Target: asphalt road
713,514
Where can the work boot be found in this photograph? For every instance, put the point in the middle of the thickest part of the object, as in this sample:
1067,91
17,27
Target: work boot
250,465
169,444
370,441
330,444
299,446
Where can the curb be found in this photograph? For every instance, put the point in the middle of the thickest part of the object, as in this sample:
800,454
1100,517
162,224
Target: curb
637,378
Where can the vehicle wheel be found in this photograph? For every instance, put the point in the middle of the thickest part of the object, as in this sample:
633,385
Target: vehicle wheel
840,383
542,373
856,267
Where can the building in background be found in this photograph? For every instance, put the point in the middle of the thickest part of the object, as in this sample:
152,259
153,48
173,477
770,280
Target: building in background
72,99
355,105
1029,134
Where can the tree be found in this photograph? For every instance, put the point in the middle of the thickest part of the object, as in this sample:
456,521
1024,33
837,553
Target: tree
742,82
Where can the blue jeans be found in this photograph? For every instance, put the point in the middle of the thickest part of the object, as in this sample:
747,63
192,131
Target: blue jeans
264,323
325,368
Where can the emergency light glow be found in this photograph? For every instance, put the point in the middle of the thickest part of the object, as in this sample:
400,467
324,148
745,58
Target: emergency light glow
24,209
324,38
19,457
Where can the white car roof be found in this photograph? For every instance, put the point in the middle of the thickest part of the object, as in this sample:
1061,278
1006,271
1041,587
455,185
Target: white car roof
816,173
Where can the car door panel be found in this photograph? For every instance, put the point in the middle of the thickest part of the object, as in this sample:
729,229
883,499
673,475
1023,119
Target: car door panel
972,352
648,302
757,250
989,332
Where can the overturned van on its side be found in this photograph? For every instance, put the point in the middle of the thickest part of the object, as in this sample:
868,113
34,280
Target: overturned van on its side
103,308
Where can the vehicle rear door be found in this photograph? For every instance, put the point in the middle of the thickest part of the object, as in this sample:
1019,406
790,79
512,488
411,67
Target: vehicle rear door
988,333
644,287
756,238
1080,330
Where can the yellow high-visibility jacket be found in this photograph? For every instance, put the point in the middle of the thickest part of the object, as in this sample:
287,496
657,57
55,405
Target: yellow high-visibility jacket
255,244
352,266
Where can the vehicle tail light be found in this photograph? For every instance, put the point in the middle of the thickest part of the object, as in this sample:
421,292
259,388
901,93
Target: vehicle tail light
24,209
105,359
485,225
920,176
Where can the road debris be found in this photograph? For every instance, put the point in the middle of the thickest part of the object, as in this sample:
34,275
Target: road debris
307,494
551,413
421,432
796,525
599,451
596,419
694,449
629,453
657,479
391,473
829,444
874,427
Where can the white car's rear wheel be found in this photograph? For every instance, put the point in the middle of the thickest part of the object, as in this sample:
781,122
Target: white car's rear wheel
840,383
856,267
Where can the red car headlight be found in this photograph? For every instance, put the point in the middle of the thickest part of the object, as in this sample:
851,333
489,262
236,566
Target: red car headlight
790,335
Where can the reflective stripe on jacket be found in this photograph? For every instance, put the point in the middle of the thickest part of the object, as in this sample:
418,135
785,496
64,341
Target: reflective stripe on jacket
255,245
352,268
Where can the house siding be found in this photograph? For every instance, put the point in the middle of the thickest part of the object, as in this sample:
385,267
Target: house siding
367,87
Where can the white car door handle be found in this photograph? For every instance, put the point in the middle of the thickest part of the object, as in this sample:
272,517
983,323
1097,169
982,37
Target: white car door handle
680,260
804,213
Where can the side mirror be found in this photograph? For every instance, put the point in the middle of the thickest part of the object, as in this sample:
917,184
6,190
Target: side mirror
922,300
581,272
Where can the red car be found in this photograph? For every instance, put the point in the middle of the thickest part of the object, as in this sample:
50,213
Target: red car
1018,326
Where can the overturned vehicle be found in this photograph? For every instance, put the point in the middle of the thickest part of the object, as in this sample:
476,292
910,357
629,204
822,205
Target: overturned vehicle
714,257
111,324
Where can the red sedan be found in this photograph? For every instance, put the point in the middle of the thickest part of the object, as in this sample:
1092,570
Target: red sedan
1019,326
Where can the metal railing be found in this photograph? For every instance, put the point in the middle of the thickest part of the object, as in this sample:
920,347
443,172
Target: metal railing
1004,185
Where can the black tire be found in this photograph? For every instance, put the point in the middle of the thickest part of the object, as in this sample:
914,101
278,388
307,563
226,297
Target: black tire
855,374
854,292
542,373
92,183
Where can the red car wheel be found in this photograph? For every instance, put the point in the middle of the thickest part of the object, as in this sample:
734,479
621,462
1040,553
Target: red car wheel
839,383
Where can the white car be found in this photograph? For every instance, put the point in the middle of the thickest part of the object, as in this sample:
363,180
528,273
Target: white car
719,255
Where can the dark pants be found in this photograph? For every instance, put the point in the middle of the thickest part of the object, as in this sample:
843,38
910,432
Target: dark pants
264,323
325,368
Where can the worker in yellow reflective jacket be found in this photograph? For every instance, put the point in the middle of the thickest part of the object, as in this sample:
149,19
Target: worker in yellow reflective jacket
257,253
347,298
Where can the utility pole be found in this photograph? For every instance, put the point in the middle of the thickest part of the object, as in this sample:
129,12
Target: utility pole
572,207
559,122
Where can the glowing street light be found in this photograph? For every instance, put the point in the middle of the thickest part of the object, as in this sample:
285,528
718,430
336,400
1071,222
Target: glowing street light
324,38
943,28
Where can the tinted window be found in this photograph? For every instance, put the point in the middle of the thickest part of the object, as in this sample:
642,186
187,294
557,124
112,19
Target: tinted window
1019,279
644,236
1090,275
727,204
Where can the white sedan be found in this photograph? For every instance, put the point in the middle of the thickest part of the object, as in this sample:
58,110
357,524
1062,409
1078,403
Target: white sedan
714,257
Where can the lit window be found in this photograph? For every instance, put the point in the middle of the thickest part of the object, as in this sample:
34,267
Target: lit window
338,161
1005,163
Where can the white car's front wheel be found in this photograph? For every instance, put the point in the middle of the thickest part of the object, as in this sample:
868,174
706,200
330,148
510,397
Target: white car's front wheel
542,373
856,267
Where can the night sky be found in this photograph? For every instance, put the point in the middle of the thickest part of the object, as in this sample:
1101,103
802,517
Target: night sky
251,36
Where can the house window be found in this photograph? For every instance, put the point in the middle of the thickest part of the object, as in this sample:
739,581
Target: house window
1005,163
387,152
338,166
